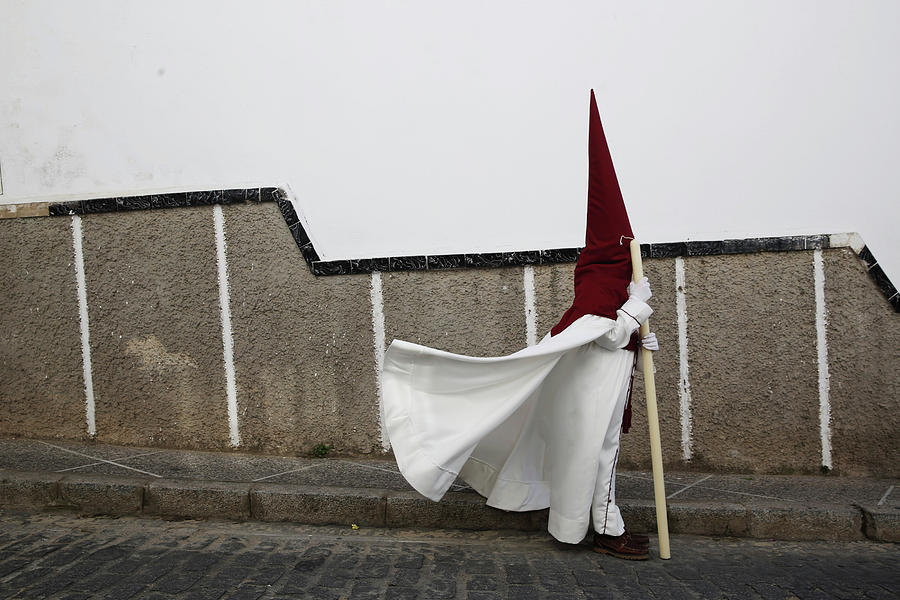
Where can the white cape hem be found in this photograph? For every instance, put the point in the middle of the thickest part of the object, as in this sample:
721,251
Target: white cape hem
439,406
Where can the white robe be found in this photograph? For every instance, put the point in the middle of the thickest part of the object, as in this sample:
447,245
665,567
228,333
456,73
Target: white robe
535,429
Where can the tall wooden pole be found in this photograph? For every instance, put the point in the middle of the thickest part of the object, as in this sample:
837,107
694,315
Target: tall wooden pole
659,486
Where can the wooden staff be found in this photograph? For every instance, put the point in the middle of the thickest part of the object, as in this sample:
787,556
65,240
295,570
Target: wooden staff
659,486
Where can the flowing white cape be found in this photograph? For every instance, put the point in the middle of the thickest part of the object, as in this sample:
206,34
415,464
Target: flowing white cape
449,415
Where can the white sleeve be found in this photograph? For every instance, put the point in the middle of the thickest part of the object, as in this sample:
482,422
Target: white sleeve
630,317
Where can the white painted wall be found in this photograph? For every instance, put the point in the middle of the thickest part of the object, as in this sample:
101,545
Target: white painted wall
409,127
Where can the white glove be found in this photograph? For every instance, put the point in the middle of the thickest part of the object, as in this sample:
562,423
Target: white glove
649,342
640,290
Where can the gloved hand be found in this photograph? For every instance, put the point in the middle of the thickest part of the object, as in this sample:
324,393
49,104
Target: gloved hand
640,290
649,342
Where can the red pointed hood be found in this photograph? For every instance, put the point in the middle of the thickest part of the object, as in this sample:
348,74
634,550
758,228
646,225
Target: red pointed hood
603,269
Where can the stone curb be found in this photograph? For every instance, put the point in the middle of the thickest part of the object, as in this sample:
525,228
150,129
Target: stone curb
197,499
880,523
366,507
102,494
317,505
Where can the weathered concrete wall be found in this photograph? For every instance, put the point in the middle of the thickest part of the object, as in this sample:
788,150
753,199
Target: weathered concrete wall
479,312
41,386
752,347
553,292
303,345
156,342
864,363
306,348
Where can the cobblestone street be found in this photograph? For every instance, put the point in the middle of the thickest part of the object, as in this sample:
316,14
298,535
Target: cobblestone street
66,557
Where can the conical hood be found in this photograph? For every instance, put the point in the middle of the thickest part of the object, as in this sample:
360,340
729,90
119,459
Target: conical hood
603,269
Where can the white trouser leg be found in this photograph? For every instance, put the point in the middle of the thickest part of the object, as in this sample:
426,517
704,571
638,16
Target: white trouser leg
580,448
605,513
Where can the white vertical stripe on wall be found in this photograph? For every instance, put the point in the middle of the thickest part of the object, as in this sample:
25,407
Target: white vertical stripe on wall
530,310
684,383
822,348
85,328
227,338
377,299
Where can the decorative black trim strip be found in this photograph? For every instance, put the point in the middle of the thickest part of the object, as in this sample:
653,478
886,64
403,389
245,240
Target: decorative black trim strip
529,257
367,265
542,257
331,267
570,255
167,200
561,255
407,263
486,259
287,210
880,278
866,255
446,261
453,261
316,266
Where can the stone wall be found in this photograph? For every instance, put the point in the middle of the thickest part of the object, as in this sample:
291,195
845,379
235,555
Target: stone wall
743,389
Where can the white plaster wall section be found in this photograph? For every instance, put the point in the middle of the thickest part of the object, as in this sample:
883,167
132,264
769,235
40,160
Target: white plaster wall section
822,352
227,338
684,380
377,298
362,150
87,371
530,306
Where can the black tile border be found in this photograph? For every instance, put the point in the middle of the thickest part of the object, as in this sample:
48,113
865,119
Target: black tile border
165,200
61,209
368,265
210,198
446,261
866,255
483,260
884,284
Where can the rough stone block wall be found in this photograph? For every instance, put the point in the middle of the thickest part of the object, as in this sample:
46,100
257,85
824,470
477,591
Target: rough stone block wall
306,347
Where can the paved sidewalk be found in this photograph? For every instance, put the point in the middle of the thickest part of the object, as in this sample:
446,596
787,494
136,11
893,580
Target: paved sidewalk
64,557
93,478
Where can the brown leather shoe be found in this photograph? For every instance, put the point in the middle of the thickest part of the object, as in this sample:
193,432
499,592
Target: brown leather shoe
640,538
622,546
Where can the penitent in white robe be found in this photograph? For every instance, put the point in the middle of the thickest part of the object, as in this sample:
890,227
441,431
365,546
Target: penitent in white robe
535,429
